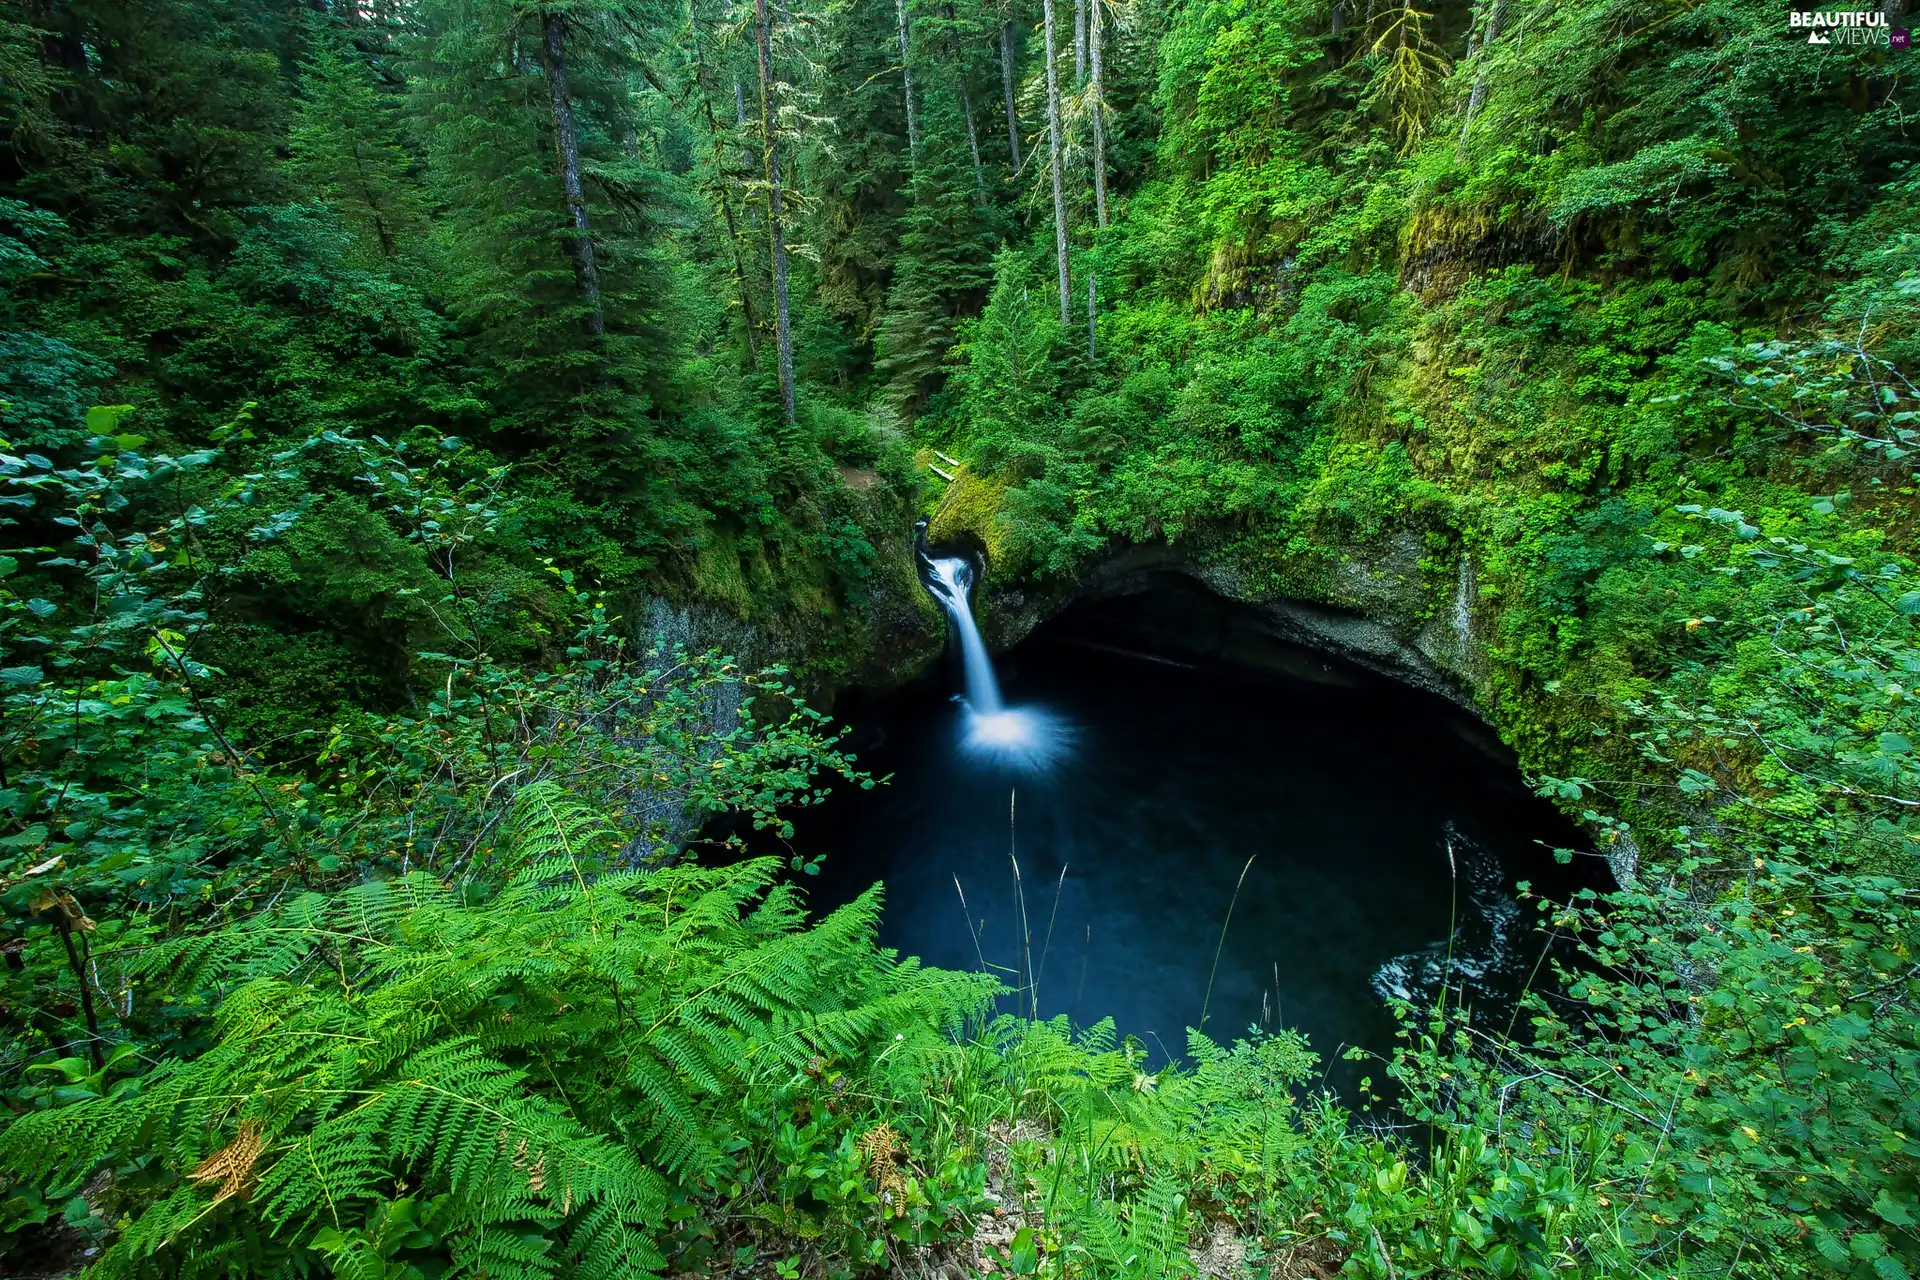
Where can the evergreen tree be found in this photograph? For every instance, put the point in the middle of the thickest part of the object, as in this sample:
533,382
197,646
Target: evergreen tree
181,103
941,272
906,79
1010,99
1056,159
723,166
482,113
344,141
860,177
776,213
566,142
1097,108
960,44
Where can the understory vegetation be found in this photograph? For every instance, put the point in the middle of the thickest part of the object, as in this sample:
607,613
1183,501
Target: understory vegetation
384,383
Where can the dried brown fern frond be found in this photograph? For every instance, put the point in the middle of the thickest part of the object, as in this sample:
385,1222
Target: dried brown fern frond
232,1166
882,1147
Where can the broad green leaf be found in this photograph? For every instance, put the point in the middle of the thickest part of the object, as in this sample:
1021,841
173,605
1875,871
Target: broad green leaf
104,419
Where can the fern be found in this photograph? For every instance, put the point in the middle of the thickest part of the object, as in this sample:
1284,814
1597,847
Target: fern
1142,1240
547,1066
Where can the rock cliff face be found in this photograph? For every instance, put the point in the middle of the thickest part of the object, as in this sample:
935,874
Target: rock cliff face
884,638
1376,612
1383,607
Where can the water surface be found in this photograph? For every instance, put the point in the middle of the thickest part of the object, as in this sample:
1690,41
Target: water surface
1385,839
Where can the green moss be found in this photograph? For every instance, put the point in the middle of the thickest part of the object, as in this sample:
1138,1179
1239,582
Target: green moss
970,509
718,576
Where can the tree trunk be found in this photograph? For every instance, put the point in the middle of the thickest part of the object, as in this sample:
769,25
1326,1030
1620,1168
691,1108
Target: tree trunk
726,199
1054,149
1095,28
906,78
747,320
1092,296
966,107
740,120
1006,84
1079,43
973,138
748,160
1479,93
370,197
770,150
586,272
61,37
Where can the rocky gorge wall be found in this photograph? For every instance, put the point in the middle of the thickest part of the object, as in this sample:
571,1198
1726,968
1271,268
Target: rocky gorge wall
1381,607
886,632
1389,608
1386,608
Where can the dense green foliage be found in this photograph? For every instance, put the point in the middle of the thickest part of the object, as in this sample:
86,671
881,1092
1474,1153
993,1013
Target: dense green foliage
1611,326
370,372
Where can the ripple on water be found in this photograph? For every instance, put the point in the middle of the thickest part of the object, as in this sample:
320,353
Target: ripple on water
1482,957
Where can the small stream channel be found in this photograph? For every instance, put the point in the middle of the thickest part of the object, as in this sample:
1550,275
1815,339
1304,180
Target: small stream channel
1386,831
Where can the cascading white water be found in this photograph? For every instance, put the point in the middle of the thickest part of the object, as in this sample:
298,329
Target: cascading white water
1024,737
953,579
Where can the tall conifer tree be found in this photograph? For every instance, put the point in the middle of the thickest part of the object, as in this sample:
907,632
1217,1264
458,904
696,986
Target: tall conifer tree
1056,149
345,144
776,232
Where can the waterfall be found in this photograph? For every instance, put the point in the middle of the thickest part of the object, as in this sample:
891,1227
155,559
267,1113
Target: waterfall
952,580
1026,738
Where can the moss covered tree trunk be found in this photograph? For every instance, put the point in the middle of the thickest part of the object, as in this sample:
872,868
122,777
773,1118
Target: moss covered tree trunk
723,183
1079,44
1095,28
1006,84
770,150
1054,151
966,102
906,77
586,272
1479,92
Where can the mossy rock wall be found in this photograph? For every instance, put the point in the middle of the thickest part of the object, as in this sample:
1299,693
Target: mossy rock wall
1382,605
879,635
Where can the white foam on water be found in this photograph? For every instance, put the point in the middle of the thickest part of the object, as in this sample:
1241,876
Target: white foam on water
1028,739
1485,944
1025,738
